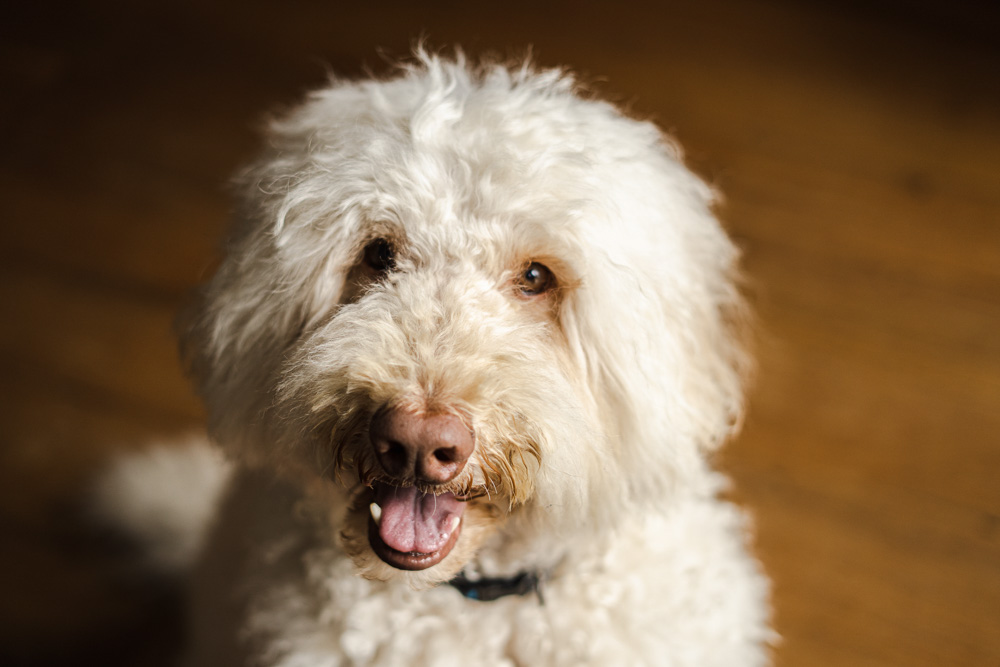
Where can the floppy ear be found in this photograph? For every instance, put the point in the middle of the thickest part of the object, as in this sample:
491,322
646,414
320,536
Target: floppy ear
658,325
284,267
235,333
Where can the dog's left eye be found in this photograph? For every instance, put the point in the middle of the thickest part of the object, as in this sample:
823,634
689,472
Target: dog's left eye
537,279
380,256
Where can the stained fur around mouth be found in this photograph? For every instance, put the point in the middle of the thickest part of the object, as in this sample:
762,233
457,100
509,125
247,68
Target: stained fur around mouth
369,472
350,458
462,492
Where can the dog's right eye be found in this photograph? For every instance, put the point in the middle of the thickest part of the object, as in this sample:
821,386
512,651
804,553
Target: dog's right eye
380,256
536,280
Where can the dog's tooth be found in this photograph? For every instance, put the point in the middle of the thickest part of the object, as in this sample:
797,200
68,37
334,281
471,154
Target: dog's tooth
376,513
455,520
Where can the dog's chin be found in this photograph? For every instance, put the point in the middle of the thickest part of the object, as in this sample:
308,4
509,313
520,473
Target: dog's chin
375,559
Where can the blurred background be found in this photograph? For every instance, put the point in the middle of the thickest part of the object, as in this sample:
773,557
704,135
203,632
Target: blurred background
857,144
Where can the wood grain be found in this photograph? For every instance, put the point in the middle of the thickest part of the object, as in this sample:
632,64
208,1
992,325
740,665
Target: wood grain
858,149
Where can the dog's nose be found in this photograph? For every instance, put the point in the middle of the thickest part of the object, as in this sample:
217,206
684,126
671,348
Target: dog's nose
427,448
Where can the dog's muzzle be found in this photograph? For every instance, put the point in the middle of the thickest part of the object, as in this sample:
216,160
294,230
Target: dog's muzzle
410,529
430,449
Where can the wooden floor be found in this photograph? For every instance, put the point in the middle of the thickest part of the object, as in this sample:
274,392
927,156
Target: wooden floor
858,145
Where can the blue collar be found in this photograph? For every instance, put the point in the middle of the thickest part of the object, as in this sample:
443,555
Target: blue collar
486,590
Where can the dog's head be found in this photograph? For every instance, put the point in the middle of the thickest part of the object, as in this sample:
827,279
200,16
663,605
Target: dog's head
478,303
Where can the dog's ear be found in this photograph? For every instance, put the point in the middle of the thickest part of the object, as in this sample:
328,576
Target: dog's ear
658,324
284,267
232,336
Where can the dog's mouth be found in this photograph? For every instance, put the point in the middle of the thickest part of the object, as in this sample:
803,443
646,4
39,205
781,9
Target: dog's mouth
413,530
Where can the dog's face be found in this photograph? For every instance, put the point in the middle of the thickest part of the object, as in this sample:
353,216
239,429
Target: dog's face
477,305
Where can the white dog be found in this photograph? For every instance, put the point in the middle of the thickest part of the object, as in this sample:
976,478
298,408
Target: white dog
471,344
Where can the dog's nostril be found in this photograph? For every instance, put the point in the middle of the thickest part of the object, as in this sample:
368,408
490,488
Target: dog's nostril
413,446
394,456
445,455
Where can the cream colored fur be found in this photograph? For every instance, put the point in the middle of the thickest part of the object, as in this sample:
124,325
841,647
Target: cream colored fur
593,407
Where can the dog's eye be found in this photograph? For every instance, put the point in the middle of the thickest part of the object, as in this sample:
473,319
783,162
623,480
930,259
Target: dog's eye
380,256
536,280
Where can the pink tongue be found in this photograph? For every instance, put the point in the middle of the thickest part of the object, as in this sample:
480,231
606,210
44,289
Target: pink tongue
413,521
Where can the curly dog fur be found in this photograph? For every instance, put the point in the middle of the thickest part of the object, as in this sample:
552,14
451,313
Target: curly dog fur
531,288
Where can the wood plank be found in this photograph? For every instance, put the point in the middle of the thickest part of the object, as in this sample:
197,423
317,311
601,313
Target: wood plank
112,342
857,145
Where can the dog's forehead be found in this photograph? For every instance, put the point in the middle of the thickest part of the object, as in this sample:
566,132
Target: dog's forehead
507,169
463,187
